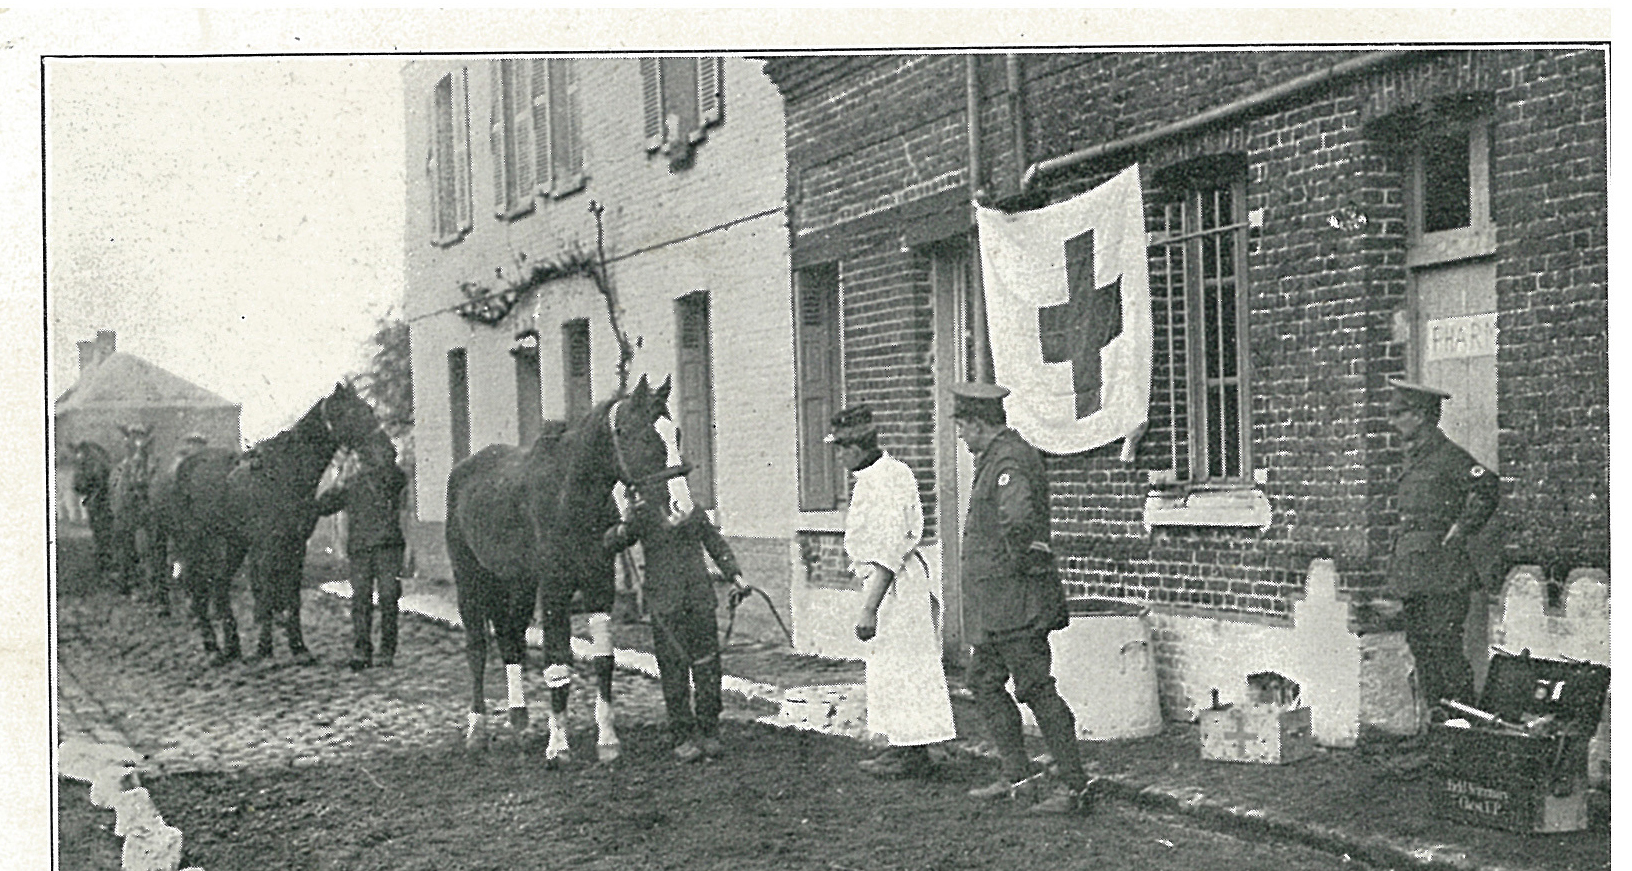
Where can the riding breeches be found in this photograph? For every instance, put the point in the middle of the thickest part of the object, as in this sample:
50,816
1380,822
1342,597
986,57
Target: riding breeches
686,645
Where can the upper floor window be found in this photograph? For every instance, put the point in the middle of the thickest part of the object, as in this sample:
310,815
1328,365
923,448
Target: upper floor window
447,162
683,97
1449,193
534,137
1198,285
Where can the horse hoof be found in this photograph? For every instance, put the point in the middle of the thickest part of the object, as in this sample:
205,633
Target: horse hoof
475,742
518,719
304,657
608,752
220,660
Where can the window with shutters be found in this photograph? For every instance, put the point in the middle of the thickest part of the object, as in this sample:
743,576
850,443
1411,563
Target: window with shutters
534,132
458,404
819,385
682,98
575,367
696,387
1197,255
447,161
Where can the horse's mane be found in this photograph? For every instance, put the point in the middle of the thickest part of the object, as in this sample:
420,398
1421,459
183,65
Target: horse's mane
306,429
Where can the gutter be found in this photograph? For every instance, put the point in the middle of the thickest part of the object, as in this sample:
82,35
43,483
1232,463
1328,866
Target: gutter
1243,106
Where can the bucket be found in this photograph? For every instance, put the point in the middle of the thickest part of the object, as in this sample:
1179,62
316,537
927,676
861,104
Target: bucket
1105,670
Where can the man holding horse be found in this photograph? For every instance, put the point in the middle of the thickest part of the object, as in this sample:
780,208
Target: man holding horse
680,600
372,500
138,550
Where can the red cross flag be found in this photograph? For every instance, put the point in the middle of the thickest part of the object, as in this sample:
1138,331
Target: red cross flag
1068,312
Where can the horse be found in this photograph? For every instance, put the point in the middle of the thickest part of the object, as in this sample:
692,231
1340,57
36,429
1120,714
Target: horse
225,507
93,467
138,551
524,526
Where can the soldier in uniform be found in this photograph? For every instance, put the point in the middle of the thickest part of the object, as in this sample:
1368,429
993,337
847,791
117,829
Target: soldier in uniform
372,499
1012,599
1444,497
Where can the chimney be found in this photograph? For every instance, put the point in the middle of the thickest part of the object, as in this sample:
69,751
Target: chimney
104,344
87,357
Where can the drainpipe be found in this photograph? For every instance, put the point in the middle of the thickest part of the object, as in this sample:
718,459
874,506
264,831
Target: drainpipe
977,297
971,80
1243,106
1017,115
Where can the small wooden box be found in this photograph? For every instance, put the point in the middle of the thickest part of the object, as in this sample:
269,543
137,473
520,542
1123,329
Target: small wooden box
1267,734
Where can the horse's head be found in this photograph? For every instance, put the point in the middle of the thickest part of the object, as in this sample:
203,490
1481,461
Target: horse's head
646,449
347,416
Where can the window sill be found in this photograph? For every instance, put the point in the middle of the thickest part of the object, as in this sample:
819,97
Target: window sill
821,521
450,239
1233,506
1449,246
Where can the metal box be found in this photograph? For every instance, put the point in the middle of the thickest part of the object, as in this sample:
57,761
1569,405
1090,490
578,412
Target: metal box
1268,734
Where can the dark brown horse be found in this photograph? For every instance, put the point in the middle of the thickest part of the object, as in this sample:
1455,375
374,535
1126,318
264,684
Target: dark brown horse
525,526
224,507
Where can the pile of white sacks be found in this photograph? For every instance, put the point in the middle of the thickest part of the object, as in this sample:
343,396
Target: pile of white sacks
111,770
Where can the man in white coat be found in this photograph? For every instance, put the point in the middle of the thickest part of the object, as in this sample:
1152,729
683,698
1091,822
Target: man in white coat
907,699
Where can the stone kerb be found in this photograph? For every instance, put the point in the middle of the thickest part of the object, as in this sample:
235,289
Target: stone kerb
1316,648
1577,629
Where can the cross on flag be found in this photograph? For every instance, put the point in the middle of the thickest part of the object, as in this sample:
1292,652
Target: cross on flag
1076,330
1068,312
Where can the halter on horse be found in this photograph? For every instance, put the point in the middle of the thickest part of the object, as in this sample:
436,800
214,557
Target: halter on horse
524,527
225,507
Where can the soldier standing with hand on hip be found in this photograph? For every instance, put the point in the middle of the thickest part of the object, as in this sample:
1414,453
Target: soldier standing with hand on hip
1445,496
1012,599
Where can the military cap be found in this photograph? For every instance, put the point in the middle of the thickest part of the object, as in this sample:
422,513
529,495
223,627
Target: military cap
977,399
851,425
196,437
138,428
1417,397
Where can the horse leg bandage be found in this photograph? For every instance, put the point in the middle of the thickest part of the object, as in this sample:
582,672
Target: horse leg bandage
512,677
558,676
600,635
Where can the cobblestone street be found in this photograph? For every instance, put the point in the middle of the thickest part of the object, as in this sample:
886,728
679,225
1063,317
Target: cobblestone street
129,676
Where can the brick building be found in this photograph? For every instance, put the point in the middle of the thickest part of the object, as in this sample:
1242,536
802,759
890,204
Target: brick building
508,159
1317,222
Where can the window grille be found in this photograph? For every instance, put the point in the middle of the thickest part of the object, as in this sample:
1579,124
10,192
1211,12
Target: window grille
1198,294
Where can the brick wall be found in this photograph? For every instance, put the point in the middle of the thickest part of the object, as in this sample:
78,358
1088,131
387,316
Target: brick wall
867,135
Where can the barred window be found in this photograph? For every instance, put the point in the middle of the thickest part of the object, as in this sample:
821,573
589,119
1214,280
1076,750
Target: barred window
1198,235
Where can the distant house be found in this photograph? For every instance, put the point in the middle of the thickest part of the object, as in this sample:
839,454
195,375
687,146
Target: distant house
117,389
509,161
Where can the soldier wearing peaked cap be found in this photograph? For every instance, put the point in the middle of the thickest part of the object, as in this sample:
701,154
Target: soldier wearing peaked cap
1444,497
1012,598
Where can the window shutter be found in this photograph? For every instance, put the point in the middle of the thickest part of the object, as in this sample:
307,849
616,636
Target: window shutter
520,117
567,150
818,387
696,400
495,115
543,135
651,85
710,90
433,160
460,98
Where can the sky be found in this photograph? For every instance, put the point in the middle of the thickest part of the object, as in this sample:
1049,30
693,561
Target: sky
236,221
